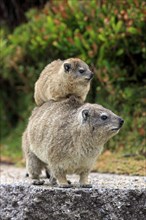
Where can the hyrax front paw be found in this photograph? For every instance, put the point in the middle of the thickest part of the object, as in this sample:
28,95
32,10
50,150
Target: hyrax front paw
63,182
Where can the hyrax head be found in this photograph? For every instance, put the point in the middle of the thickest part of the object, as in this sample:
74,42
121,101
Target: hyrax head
77,69
100,122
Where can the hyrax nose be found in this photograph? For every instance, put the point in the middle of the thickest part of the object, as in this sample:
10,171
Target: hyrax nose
121,122
91,75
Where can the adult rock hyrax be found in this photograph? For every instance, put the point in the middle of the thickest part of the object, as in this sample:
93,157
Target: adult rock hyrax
60,79
66,137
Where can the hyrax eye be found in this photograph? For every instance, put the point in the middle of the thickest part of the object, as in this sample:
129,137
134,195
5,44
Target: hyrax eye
104,117
81,70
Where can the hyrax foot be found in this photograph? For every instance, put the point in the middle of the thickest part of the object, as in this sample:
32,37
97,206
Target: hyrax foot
62,181
66,184
84,179
53,181
38,182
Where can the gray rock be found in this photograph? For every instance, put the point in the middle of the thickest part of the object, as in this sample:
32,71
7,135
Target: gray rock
112,197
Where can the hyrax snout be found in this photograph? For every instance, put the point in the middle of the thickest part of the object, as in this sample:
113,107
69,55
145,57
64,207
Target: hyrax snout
61,79
66,137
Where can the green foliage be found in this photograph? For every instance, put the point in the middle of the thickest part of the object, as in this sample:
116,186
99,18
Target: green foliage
109,37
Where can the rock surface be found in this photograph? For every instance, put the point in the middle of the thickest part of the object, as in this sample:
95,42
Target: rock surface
114,197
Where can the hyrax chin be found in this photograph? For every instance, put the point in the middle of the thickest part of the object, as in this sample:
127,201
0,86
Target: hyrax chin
60,79
66,137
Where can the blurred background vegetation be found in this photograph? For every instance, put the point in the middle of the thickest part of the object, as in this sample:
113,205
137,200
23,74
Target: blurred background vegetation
109,35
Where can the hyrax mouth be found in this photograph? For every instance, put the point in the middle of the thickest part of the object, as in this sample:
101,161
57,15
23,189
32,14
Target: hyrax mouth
115,129
121,122
88,78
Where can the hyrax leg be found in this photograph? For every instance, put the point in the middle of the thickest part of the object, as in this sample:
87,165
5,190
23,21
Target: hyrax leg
50,176
61,180
33,165
84,180
53,180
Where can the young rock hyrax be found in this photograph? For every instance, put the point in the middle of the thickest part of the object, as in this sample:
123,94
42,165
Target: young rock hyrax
60,79
66,137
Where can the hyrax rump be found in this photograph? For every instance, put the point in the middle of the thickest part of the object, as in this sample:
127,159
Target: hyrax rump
60,79
66,137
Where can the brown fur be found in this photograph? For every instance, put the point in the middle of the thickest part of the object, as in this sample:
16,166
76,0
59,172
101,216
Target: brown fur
67,137
55,83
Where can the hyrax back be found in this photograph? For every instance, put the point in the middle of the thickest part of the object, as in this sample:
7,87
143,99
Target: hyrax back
67,137
60,79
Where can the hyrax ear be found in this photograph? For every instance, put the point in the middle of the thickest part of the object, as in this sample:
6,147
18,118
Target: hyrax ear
67,67
85,114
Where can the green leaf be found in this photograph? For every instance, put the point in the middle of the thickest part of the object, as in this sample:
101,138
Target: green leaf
101,52
118,26
132,30
102,37
120,52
